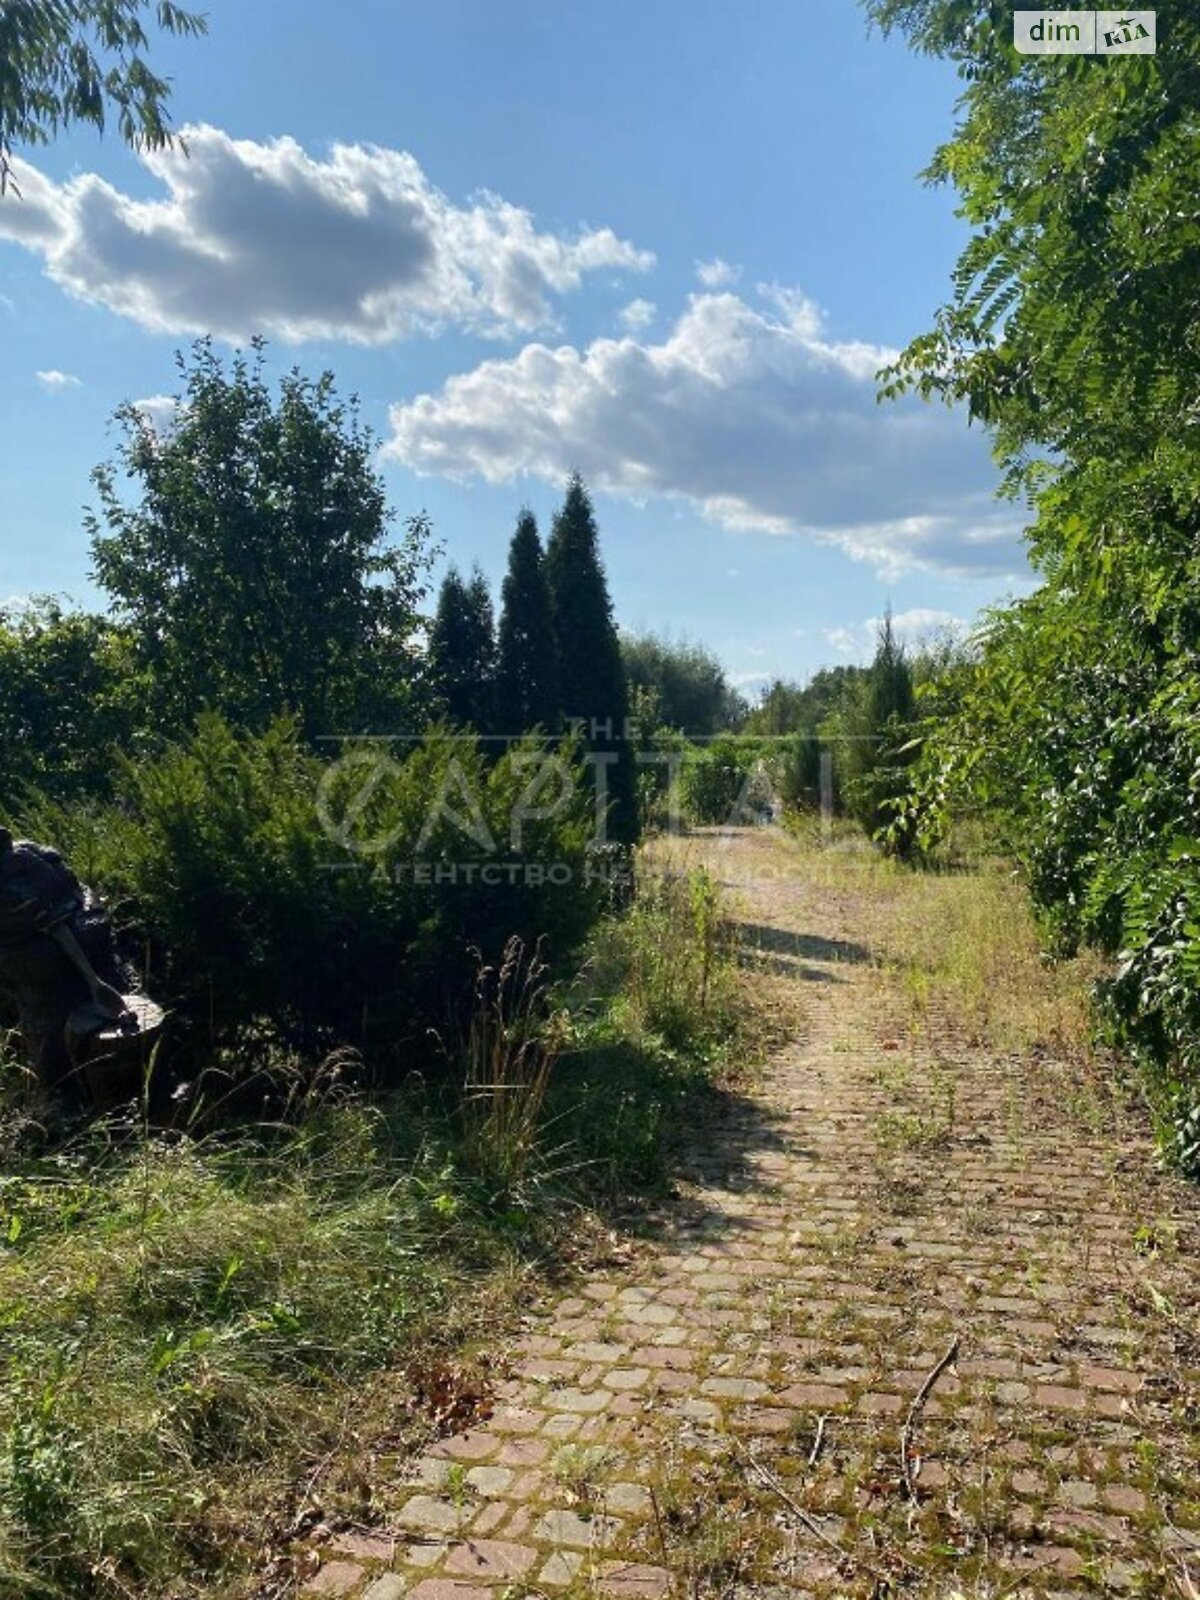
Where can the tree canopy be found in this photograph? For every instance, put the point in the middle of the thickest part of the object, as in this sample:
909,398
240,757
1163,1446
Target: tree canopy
686,681
253,566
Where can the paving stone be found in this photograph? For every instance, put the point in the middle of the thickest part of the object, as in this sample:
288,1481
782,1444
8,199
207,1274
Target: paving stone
1122,1498
632,1581
814,1271
335,1578
467,1447
637,1378
580,1402
733,1388
429,1513
629,1498
491,1558
450,1589
389,1586
569,1528
424,1553
812,1396
490,1480
365,1546
561,1569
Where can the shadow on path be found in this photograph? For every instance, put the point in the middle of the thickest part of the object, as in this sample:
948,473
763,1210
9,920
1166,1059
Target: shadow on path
781,951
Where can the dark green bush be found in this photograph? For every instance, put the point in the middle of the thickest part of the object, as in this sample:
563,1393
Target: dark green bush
726,782
273,896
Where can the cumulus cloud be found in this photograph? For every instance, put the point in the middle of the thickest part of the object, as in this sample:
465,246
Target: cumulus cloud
844,640
919,623
262,237
746,411
159,410
638,314
54,380
717,274
912,627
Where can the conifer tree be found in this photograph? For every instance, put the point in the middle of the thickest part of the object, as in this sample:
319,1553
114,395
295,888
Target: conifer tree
592,687
462,651
527,668
879,753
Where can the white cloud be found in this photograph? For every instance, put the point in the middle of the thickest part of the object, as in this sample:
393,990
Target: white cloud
638,314
844,640
262,237
54,380
911,627
717,274
919,623
747,412
159,410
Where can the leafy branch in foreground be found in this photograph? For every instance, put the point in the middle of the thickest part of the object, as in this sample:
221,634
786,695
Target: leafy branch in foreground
66,61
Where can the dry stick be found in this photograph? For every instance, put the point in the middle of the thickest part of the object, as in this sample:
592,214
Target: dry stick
914,1411
810,1522
815,1452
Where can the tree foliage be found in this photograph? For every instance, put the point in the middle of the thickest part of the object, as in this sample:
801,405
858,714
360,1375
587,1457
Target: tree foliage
527,693
1072,333
685,682
462,651
69,699
789,707
253,568
592,687
65,61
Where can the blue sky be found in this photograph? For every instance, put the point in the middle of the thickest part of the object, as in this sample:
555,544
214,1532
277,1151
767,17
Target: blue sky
664,244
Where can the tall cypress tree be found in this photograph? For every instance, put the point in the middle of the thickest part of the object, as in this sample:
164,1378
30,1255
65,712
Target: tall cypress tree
527,669
462,651
592,685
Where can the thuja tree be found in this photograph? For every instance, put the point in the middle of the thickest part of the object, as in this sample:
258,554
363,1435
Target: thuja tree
591,685
527,666
1071,332
247,553
462,651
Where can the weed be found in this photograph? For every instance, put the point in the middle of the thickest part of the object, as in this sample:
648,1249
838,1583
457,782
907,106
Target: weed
582,1471
514,1040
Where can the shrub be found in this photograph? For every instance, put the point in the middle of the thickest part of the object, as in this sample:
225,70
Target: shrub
726,782
276,899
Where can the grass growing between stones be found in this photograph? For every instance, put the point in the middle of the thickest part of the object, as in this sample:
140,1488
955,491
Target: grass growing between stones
961,946
210,1343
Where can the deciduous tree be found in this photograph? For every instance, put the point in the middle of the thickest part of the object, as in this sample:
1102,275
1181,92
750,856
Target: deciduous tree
253,566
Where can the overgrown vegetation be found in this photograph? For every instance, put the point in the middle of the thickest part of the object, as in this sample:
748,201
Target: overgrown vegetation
1071,335
194,1321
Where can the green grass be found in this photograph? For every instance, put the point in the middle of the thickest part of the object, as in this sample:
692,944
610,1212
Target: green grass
183,1321
195,1331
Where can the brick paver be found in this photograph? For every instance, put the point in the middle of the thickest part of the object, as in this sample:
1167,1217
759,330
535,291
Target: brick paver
729,1415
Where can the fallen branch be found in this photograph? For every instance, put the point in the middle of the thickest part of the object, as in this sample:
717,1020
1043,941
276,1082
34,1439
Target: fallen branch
815,1452
810,1522
914,1412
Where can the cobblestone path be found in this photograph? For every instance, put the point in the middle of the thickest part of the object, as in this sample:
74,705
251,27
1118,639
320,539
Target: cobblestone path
921,1322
